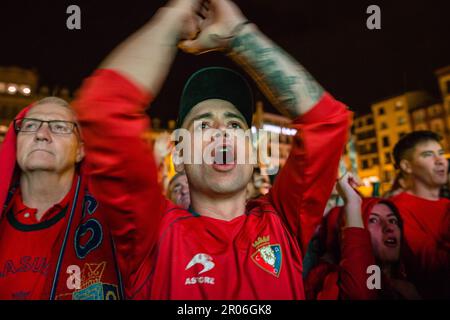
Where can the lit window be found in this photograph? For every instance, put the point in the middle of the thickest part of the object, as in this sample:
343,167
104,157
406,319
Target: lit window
388,159
401,120
365,164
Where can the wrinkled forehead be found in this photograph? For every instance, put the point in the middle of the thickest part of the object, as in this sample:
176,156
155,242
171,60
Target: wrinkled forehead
212,108
51,111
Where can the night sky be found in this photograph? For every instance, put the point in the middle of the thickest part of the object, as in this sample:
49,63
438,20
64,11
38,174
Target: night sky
330,38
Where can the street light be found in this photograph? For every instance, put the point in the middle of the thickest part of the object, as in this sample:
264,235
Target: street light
26,90
12,89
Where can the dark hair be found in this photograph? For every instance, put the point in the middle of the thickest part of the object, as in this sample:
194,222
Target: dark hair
396,213
410,141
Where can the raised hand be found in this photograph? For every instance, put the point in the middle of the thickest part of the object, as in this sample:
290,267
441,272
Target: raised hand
221,17
346,186
187,12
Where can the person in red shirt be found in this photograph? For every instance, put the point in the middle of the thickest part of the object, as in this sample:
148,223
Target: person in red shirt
420,157
178,190
221,247
53,242
365,232
259,185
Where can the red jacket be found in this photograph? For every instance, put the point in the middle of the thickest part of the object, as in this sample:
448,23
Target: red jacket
342,274
427,243
166,252
342,270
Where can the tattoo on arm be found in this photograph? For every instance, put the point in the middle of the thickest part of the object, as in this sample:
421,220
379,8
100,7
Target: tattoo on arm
282,79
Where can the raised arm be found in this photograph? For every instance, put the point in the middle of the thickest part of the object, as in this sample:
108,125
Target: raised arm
146,56
121,167
303,186
356,246
287,85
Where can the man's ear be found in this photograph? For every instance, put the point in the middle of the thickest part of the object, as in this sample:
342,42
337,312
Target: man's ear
80,152
405,165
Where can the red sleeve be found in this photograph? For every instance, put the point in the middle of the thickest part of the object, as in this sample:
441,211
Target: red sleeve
303,186
322,282
356,256
121,168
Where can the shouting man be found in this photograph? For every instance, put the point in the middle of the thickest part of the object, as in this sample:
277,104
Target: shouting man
221,247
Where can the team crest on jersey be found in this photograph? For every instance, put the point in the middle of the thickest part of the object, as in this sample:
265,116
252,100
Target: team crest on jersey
267,255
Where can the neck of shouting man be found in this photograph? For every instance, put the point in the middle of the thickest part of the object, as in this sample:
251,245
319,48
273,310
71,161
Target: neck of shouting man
41,189
223,207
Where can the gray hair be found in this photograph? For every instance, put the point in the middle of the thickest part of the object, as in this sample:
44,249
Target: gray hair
59,102
54,100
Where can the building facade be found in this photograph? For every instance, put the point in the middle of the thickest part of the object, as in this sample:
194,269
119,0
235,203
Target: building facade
390,119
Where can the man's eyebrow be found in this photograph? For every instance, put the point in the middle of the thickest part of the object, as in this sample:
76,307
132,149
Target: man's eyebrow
206,115
235,115
432,151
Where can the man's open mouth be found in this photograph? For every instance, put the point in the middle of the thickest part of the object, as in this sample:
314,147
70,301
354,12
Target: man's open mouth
224,158
224,155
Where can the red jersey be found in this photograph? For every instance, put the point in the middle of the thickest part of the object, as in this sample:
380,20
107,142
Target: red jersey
346,280
28,245
165,252
426,230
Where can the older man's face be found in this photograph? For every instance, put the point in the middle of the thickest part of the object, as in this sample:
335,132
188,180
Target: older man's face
179,191
47,151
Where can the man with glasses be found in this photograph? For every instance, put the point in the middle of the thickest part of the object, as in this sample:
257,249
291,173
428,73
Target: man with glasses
53,242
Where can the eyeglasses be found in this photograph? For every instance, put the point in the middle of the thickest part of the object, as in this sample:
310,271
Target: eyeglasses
33,125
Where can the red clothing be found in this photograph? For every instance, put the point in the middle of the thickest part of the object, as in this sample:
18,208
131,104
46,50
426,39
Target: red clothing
36,257
25,266
343,274
166,252
426,226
